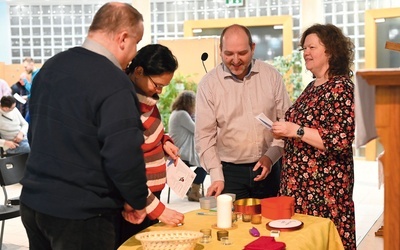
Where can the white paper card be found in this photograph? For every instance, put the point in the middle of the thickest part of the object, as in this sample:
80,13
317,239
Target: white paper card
19,98
264,121
179,177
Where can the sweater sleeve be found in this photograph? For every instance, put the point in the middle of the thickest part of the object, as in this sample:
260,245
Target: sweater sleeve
24,123
167,138
28,85
154,207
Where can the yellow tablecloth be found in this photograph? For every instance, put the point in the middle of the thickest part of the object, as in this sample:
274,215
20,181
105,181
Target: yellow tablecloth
317,233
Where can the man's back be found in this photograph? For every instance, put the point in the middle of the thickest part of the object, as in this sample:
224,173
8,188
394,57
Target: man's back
84,123
86,167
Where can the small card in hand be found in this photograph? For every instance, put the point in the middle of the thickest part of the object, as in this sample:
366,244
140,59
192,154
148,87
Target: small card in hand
264,120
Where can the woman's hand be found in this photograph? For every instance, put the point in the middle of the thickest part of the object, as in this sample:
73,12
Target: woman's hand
171,217
284,129
172,151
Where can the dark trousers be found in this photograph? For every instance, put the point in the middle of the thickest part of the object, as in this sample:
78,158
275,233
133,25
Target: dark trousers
46,232
200,173
239,179
128,229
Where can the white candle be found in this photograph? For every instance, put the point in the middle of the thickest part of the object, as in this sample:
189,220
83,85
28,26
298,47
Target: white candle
224,211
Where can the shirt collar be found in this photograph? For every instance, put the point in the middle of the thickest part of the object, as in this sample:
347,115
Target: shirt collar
100,49
227,72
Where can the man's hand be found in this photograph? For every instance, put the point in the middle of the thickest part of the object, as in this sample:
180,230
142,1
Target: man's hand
11,144
132,215
216,188
265,163
19,137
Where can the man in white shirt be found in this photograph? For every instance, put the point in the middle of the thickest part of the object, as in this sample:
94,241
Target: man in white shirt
240,154
13,127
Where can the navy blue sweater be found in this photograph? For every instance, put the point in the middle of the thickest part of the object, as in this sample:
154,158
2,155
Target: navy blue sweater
85,136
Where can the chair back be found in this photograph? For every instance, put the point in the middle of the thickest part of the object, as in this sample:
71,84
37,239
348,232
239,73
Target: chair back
12,169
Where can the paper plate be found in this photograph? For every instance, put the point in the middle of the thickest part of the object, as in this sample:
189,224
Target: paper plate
285,224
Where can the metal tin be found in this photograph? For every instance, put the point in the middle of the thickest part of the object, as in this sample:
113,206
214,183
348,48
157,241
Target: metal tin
208,202
248,206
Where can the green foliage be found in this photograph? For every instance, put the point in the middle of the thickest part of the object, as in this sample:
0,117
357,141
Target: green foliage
169,94
290,68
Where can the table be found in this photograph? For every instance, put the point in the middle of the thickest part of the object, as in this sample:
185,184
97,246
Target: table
317,233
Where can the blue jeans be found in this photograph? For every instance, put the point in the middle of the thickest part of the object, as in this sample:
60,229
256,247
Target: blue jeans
21,149
239,180
46,232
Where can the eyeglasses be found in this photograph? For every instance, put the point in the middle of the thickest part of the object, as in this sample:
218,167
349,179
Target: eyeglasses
157,86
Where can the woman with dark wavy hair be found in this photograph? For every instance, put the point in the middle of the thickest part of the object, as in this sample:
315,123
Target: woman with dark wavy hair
181,128
318,131
150,71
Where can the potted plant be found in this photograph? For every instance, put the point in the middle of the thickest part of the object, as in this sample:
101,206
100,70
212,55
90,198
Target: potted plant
178,83
290,68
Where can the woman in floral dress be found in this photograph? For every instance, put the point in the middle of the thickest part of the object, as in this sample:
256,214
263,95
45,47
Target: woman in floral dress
319,131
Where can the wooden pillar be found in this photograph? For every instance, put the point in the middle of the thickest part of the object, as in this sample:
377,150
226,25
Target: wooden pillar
387,120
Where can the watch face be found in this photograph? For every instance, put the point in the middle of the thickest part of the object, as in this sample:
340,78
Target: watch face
300,132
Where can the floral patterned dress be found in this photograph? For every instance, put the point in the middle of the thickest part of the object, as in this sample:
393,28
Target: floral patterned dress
322,181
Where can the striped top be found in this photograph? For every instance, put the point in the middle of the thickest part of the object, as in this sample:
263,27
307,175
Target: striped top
154,139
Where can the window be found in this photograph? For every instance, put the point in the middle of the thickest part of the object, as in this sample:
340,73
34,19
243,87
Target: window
41,31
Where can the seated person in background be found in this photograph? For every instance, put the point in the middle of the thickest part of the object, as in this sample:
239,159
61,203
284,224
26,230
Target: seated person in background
19,88
181,129
13,127
4,88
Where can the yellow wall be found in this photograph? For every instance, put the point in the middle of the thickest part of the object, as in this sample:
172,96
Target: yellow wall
188,51
11,72
285,21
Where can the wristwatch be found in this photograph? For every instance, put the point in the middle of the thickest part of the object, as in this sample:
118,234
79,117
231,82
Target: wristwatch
300,132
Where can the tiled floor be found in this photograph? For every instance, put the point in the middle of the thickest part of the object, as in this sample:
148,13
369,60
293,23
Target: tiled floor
367,196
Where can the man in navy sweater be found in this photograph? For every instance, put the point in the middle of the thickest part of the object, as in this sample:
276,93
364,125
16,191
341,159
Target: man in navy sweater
86,165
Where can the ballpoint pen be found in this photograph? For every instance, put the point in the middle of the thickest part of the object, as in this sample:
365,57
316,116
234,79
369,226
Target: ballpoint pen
203,213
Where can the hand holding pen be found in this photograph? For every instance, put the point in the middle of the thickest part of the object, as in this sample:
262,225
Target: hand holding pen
172,151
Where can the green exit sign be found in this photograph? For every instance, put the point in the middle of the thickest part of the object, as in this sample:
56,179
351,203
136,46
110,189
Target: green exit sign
234,2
